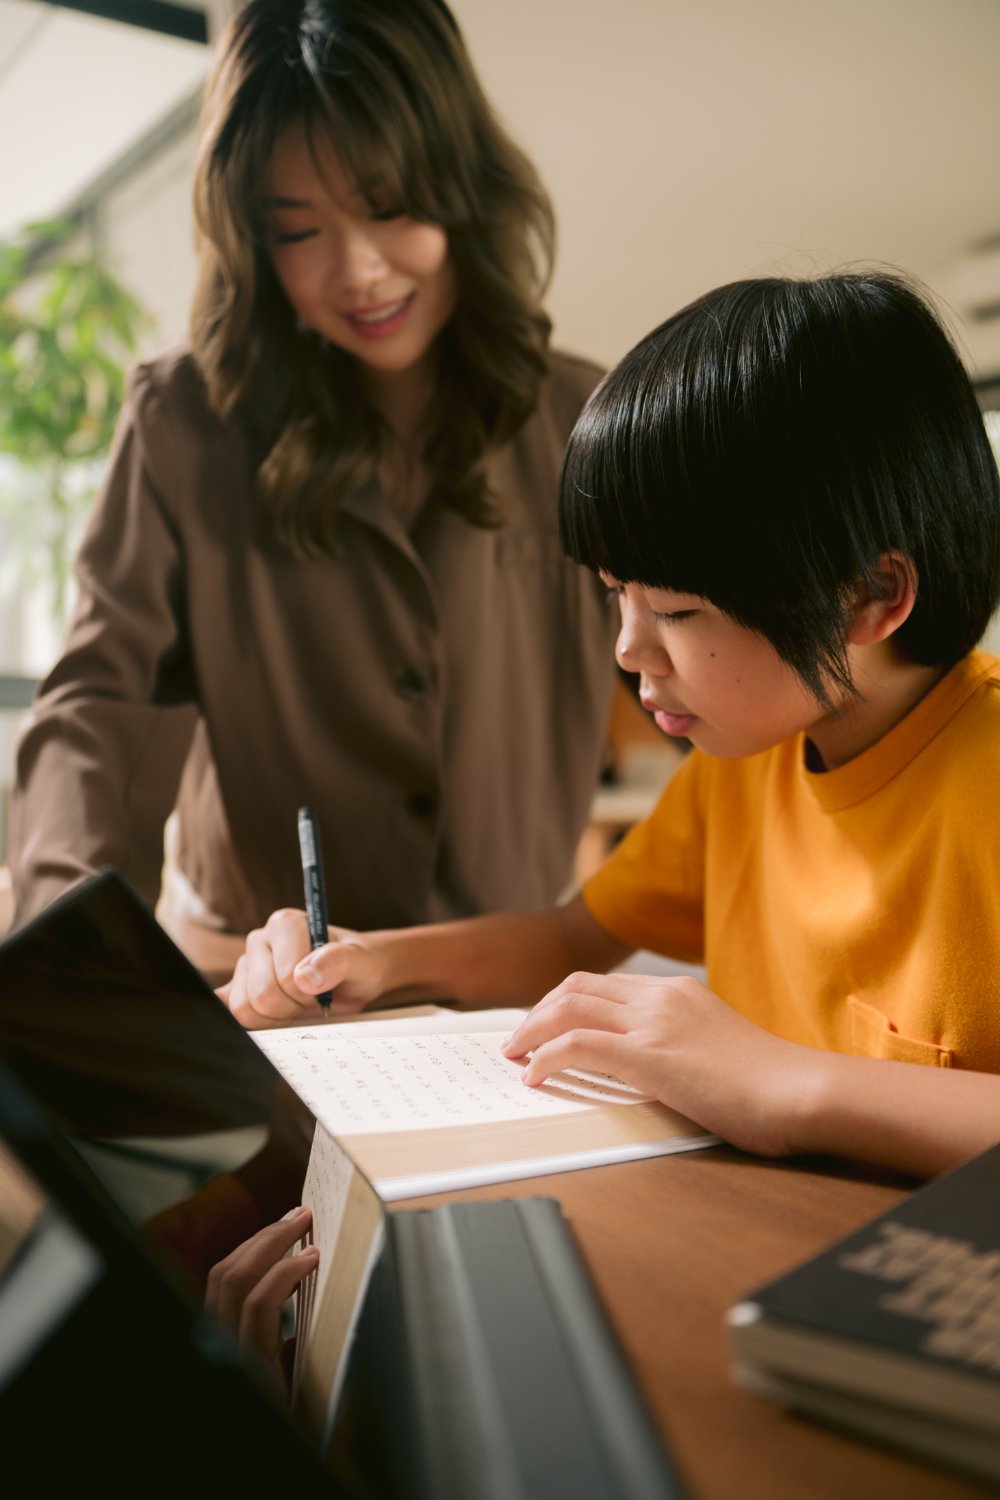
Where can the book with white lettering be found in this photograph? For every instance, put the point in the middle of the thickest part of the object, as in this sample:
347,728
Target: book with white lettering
894,1331
426,1102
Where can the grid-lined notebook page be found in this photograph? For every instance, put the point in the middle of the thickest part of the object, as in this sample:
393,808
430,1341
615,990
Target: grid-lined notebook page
371,1084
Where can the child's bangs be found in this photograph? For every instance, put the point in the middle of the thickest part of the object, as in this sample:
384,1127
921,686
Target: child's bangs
637,478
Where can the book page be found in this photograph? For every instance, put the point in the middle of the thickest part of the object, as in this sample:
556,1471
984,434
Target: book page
414,1020
363,1085
348,1228
325,1190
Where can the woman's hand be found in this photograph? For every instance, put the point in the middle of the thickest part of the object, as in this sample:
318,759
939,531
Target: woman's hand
276,981
676,1040
248,1289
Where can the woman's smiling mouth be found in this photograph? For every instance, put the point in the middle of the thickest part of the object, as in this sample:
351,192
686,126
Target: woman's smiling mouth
381,321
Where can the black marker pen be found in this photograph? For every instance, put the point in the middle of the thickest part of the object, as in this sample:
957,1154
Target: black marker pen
312,877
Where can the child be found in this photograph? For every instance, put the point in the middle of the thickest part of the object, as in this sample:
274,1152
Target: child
789,486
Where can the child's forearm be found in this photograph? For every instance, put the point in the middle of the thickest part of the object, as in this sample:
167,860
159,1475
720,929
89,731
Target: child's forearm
512,958
915,1119
509,959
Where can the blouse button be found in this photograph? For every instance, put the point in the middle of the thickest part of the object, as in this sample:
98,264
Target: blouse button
410,683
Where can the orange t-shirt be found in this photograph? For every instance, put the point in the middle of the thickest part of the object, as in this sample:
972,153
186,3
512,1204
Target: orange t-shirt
857,909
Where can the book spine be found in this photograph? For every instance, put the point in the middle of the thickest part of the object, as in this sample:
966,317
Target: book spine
464,1448
516,1386
626,1430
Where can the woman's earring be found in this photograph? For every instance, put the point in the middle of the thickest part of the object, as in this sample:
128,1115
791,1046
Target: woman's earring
301,328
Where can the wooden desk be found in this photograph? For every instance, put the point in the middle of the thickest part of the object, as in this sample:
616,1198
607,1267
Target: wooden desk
673,1243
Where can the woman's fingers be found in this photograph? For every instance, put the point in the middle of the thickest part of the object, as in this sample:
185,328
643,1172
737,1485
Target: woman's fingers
233,1279
260,1321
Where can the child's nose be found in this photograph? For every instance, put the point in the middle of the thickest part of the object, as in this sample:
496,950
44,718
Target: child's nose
638,648
634,653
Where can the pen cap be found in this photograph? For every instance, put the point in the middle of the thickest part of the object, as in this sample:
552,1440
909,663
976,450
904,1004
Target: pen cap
308,837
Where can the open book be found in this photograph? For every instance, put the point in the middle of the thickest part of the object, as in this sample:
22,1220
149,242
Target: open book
425,1102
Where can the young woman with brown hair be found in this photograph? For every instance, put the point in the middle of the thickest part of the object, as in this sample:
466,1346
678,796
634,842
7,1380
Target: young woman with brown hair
325,566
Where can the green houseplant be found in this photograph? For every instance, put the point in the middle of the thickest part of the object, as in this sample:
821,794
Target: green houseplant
67,332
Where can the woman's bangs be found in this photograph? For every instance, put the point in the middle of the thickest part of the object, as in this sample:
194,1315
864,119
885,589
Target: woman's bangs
368,117
371,161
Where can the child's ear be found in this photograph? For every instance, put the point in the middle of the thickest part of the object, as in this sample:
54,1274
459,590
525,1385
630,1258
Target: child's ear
881,610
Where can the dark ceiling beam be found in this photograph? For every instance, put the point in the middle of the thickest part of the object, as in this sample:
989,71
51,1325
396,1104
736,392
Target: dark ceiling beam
152,15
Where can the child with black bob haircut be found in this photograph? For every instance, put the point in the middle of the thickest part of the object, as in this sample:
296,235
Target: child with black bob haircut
789,486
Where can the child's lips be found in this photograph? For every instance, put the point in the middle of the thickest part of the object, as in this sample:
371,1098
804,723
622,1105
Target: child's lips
676,724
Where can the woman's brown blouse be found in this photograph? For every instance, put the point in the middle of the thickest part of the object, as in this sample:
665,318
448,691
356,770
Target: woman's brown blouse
439,696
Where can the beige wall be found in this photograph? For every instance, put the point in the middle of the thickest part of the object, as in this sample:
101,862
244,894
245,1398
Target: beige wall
144,227
691,142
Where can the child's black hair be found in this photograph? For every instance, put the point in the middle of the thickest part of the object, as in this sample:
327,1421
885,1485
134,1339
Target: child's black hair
763,448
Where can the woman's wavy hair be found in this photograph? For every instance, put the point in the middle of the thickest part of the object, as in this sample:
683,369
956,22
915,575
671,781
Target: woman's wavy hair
391,86
768,444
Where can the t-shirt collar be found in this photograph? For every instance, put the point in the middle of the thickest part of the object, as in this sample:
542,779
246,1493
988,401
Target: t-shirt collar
869,772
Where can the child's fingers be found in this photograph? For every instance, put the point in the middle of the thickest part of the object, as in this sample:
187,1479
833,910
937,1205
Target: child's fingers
255,996
592,1051
260,1320
342,963
271,955
287,934
570,1012
619,988
232,1280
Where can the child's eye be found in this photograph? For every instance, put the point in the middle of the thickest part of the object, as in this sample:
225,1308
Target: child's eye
385,215
678,614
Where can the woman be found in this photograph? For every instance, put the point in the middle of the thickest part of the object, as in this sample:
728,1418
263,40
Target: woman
324,567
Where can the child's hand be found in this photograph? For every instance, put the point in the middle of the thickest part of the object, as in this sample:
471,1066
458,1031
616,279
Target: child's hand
676,1040
278,978
248,1289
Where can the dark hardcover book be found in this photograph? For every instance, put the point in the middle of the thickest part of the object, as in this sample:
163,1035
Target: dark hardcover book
895,1330
499,1375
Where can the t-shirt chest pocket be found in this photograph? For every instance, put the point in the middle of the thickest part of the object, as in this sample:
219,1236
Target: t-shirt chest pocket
873,1035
